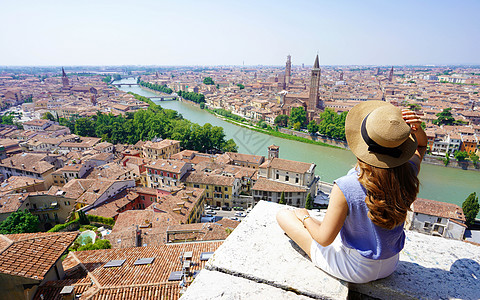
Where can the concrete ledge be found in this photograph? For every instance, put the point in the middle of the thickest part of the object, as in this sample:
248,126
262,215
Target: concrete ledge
217,285
258,256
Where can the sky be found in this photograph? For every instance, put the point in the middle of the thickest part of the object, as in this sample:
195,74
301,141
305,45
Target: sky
205,32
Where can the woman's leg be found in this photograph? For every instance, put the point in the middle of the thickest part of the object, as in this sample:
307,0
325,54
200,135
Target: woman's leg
293,227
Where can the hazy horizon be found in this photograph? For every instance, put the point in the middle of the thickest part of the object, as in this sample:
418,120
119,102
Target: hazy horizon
250,33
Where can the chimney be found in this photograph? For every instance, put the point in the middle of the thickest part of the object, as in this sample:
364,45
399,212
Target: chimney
138,237
181,204
67,293
177,210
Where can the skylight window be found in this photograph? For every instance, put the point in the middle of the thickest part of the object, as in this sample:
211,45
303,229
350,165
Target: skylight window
114,263
144,261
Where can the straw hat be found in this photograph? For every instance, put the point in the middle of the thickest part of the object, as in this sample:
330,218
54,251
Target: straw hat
377,134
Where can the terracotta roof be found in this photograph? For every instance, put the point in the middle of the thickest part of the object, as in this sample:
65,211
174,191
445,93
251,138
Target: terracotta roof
160,145
28,162
264,184
11,202
438,209
17,182
128,281
31,255
254,159
167,165
287,165
207,178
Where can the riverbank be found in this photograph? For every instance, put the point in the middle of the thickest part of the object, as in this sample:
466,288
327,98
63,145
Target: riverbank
464,165
155,92
303,137
272,132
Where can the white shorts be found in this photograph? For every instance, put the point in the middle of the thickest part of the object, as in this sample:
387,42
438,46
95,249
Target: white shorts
349,265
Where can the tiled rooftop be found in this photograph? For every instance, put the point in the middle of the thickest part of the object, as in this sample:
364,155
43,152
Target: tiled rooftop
31,255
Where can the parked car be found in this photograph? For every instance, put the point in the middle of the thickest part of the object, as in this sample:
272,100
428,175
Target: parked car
226,208
238,208
211,212
240,214
249,210
234,219
215,208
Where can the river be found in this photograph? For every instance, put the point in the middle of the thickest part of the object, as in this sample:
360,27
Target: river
437,183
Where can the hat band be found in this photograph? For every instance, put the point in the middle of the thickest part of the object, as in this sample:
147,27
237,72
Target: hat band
376,148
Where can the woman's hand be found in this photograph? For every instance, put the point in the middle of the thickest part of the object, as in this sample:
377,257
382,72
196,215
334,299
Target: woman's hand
300,213
412,119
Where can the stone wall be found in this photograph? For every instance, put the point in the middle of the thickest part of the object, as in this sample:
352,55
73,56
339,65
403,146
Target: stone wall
258,261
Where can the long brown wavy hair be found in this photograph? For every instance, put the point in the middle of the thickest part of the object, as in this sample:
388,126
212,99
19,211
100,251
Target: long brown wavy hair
390,192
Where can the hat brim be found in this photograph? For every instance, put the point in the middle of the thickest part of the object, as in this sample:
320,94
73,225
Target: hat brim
355,141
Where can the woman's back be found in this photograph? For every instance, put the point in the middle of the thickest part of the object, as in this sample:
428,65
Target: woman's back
358,231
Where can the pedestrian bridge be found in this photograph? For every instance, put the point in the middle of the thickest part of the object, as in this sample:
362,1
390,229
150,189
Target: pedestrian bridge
124,84
164,98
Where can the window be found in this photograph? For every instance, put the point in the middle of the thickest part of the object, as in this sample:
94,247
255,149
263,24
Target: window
208,194
426,225
439,220
226,196
296,180
276,176
196,186
287,178
226,189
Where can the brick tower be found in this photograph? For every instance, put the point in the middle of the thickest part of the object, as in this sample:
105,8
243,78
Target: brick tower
64,79
390,75
314,85
288,70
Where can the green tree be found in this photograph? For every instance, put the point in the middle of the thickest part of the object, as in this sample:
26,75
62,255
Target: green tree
230,146
8,118
208,81
262,124
474,158
202,105
414,107
461,155
297,126
85,127
83,218
312,127
99,244
281,120
19,222
332,124
299,115
309,202
241,86
470,208
282,199
445,117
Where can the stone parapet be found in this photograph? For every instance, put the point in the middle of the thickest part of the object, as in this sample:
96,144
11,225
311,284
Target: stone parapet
258,261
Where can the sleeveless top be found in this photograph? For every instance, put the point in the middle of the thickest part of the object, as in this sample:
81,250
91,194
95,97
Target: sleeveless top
358,231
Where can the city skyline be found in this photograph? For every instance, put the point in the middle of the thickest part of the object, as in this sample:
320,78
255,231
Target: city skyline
213,33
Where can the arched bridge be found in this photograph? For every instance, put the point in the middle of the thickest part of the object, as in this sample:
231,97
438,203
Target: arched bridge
124,84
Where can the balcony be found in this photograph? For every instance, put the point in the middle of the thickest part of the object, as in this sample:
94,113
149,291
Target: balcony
53,206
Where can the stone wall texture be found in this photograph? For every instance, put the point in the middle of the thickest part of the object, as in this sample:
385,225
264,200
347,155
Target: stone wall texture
258,261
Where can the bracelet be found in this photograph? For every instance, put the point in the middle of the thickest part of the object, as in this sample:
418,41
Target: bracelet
304,218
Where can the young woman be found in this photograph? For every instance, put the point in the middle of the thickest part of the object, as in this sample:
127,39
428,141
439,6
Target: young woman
369,205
